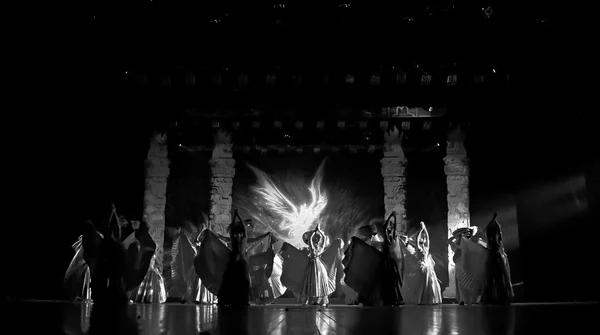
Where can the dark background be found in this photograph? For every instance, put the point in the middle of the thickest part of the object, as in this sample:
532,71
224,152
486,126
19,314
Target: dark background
80,125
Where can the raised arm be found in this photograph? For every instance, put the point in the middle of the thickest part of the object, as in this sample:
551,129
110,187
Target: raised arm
425,235
311,250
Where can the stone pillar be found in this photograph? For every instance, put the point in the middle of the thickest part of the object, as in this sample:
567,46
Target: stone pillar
393,166
457,181
155,194
222,171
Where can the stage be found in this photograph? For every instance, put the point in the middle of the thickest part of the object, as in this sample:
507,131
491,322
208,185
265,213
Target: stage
51,317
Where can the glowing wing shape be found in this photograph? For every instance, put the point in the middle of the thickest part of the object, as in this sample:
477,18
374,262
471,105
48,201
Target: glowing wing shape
319,199
273,197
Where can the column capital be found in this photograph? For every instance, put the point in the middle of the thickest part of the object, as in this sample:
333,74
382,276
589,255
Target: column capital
223,145
455,141
222,167
393,166
392,145
456,165
158,145
457,162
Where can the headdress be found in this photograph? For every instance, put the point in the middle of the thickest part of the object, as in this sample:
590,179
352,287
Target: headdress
307,235
494,222
389,224
493,232
367,231
237,225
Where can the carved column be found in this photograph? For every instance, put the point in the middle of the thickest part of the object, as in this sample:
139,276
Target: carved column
155,194
457,180
393,166
222,171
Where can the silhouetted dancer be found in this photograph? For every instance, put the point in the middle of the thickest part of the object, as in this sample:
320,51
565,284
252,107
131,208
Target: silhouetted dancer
143,278
498,286
374,274
235,286
470,258
104,255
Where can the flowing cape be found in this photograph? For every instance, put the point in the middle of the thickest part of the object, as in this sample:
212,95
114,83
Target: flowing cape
152,289
362,263
183,275
470,269
91,242
295,263
77,277
138,256
275,279
420,283
211,261
498,286
260,255
214,253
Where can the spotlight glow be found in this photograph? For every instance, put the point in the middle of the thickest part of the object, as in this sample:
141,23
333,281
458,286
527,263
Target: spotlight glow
292,219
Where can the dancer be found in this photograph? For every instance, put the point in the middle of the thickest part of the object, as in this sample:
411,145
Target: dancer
235,285
225,272
105,256
201,294
275,280
374,274
470,257
421,285
366,234
184,279
498,288
141,250
262,260
77,277
311,278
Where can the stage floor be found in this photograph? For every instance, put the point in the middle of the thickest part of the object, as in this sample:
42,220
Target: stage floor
37,317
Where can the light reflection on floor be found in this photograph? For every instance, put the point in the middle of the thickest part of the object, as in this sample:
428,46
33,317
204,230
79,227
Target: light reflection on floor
68,318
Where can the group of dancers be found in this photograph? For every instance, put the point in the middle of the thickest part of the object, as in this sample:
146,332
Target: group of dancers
377,267
112,266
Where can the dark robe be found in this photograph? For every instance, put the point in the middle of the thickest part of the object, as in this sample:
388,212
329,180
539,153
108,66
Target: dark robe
373,274
498,286
235,286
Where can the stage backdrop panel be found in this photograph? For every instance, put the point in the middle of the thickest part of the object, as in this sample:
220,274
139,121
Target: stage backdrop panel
275,192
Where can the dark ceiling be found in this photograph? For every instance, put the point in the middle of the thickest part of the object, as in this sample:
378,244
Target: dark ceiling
159,32
88,47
